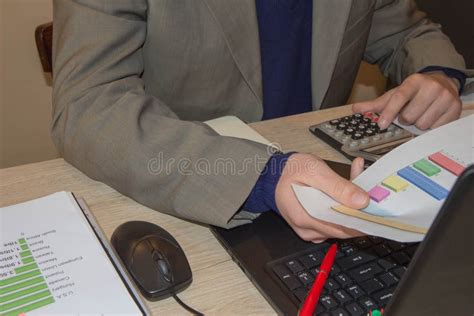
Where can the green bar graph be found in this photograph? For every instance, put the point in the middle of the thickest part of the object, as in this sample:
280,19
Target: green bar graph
25,268
25,254
19,277
25,300
28,308
27,260
21,285
21,293
27,290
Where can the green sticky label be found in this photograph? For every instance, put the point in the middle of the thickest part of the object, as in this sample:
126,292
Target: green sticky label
426,167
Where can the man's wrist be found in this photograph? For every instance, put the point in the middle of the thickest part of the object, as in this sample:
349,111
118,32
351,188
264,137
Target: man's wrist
262,196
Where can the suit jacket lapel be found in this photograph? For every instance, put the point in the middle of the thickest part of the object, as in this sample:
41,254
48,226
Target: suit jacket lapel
329,22
238,20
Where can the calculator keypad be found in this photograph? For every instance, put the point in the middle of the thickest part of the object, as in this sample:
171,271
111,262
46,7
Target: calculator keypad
354,133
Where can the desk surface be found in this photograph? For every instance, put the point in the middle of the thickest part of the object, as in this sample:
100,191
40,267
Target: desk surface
219,286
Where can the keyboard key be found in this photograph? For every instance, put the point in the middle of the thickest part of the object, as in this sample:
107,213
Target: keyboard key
305,278
301,293
384,296
355,260
343,279
376,240
294,266
447,163
378,193
426,167
348,250
342,296
388,279
382,250
395,245
281,270
354,309
291,281
312,260
395,183
365,272
386,264
355,291
401,258
362,242
424,183
328,301
371,286
334,122
399,271
339,312
368,304
331,285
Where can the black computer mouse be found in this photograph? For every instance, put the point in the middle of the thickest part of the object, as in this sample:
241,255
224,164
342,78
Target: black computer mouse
153,258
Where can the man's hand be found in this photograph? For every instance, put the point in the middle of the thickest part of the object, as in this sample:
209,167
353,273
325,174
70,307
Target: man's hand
311,171
425,100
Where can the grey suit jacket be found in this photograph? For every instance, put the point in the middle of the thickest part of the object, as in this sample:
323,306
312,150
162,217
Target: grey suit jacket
134,79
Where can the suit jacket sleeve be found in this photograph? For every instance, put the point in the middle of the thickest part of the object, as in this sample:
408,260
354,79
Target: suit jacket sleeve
402,41
106,125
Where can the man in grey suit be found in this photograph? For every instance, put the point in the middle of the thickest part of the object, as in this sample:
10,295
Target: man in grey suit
135,79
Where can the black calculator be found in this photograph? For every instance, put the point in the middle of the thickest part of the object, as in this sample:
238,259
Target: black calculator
359,135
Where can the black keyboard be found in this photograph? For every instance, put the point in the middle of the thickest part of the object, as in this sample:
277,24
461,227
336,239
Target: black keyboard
364,276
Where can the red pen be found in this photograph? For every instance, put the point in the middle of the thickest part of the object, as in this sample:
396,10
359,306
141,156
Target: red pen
311,301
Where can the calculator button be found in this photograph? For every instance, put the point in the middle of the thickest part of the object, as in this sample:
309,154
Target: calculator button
361,127
346,119
357,116
354,143
365,120
381,131
334,122
341,126
365,141
357,136
349,131
369,132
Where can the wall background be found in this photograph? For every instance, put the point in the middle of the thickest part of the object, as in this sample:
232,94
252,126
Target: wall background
25,96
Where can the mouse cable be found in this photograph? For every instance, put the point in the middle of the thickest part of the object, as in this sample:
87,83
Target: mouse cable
185,306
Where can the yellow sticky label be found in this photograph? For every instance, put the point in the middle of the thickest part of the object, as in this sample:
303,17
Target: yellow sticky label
395,183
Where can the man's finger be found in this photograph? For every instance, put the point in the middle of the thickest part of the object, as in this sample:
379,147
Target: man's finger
452,114
417,106
376,105
398,100
338,188
357,167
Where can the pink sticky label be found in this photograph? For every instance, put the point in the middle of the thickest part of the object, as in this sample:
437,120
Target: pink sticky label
447,163
378,193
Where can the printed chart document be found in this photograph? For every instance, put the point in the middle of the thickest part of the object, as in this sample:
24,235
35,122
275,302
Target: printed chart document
53,262
407,186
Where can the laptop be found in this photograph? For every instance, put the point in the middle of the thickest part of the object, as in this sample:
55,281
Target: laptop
434,277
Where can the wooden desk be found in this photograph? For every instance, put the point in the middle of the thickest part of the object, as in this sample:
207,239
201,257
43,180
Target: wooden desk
219,286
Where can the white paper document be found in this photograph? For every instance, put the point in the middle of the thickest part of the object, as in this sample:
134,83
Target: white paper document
407,185
51,263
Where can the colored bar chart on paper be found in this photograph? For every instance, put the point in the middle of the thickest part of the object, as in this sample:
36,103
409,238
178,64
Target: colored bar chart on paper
53,263
23,288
